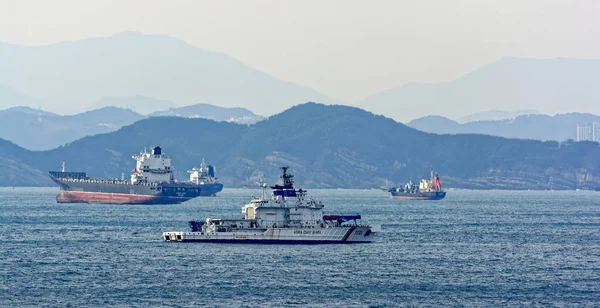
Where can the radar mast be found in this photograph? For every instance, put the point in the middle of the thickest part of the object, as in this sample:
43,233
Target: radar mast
288,179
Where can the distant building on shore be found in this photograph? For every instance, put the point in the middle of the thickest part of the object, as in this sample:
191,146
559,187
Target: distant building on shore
588,132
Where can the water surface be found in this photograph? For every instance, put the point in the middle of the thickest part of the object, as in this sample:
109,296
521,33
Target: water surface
482,248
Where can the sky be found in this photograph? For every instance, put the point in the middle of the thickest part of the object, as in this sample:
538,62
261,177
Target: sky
345,49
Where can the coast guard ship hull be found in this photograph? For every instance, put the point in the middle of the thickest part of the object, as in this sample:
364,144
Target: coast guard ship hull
345,235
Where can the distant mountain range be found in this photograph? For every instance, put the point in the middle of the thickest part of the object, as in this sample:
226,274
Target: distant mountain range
550,85
66,77
10,97
538,127
140,104
147,73
495,115
326,146
160,108
206,111
40,130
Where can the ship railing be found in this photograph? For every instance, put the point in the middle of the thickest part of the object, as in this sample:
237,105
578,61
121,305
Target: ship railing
100,181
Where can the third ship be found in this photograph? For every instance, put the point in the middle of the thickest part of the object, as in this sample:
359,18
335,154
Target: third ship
426,190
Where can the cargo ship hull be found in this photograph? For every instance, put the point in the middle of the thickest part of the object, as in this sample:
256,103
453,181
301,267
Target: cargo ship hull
433,195
112,198
123,192
151,182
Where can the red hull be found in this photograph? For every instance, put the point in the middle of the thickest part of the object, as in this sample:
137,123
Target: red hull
110,198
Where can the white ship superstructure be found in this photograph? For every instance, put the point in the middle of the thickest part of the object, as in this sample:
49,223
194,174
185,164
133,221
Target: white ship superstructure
288,216
153,167
203,175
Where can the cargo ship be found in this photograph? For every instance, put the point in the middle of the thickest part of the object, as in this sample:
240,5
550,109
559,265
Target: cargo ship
427,190
286,217
151,182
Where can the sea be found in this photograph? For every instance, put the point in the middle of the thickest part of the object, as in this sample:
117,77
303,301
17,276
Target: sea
474,248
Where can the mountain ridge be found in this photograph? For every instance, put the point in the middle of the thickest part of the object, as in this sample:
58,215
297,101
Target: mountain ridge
559,127
333,146
135,64
495,114
549,85
36,129
140,104
208,111
40,130
10,97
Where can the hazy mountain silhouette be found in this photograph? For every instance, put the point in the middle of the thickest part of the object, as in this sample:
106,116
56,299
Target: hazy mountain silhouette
436,124
39,130
15,170
539,127
69,74
140,104
495,115
12,98
330,146
207,111
29,111
550,86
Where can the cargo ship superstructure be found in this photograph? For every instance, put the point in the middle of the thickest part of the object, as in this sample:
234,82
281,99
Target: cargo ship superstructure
204,176
286,217
427,190
151,182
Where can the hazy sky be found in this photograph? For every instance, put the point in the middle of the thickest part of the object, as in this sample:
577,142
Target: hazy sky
345,49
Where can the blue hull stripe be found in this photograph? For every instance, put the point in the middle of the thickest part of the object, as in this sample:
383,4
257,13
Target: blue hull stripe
275,242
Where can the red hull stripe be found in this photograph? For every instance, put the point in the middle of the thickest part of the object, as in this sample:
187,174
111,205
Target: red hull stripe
111,198
348,233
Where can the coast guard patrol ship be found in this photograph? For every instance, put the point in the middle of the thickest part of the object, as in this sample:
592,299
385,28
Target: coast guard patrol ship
287,217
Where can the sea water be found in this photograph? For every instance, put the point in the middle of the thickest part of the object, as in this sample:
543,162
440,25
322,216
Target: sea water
476,248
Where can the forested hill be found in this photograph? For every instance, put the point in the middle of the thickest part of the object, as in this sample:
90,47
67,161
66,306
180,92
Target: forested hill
327,146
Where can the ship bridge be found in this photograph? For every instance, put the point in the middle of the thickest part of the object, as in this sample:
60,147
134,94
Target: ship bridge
152,167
